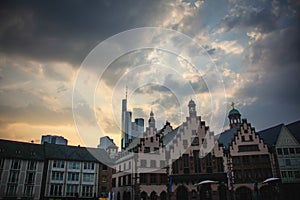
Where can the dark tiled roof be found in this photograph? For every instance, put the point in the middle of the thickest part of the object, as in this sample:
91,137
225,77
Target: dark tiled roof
227,136
270,135
22,150
295,129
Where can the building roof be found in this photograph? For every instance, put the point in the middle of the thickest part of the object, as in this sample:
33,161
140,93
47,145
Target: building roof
270,135
22,150
227,136
234,112
294,128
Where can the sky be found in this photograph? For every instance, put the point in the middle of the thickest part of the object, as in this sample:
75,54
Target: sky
252,46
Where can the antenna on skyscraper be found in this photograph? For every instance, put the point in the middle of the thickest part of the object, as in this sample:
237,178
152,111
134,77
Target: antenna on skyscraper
126,92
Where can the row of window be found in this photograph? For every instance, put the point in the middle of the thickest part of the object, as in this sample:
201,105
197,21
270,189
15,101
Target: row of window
162,163
12,190
290,174
122,181
246,160
125,166
72,190
72,176
208,163
289,162
243,176
73,165
288,151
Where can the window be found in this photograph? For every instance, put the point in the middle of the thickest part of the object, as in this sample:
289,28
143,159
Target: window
156,150
73,165
246,159
31,165
104,167
153,163
197,163
244,148
163,179
15,164
162,164
88,166
175,166
56,190
279,151
288,162
29,178
185,158
250,138
57,176
143,163
124,180
129,179
185,143
243,138
72,176
88,177
153,178
11,189
1,167
236,160
129,165
298,150
72,190
292,151
283,174
285,151
143,178
124,166
119,181
104,178
87,191
58,164
28,190
113,182
151,139
146,149
13,176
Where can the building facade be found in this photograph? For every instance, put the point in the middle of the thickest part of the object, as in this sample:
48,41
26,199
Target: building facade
34,171
285,151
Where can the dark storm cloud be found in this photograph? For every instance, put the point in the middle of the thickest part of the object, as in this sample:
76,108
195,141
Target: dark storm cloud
274,64
65,30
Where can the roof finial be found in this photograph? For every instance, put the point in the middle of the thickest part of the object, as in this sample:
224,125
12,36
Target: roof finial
232,105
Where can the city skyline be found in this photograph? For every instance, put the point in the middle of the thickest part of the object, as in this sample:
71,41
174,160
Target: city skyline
42,46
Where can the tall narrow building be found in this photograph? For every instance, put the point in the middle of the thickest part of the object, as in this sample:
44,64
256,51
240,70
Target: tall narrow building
130,130
126,124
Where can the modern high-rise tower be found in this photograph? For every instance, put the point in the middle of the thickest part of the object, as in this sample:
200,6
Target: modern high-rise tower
126,124
130,130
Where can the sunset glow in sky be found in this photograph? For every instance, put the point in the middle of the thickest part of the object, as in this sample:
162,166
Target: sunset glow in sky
255,46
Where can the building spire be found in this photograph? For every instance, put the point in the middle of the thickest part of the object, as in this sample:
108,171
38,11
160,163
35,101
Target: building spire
232,105
126,92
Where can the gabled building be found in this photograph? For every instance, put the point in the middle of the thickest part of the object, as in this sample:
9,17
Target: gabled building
168,163
247,156
283,142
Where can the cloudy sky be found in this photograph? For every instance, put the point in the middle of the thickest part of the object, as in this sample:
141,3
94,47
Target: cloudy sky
254,46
